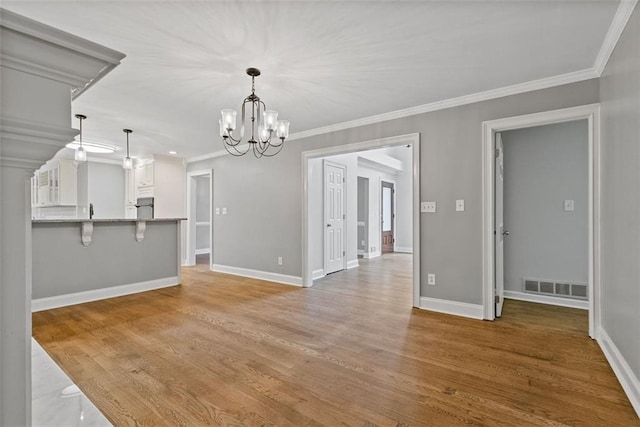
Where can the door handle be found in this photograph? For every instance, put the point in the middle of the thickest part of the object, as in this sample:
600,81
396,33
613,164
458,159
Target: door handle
505,233
328,225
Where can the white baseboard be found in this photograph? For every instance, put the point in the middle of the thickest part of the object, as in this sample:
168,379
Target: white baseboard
203,251
403,250
352,264
257,274
317,274
361,252
630,383
474,311
547,299
371,254
97,294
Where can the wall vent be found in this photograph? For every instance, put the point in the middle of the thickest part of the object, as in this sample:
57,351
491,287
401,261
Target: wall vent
555,288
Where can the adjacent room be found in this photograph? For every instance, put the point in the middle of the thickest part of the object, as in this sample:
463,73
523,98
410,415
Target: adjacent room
320,213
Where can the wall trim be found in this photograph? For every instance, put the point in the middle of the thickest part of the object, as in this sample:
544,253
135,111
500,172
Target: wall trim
619,22
317,274
48,303
404,250
370,255
203,251
257,274
630,383
473,311
547,299
352,264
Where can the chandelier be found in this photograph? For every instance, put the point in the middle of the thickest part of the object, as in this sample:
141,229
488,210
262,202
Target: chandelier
264,123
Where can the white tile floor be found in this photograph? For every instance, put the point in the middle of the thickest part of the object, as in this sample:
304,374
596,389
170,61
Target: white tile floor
56,401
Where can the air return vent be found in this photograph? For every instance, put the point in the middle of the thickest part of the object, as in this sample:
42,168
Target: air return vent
555,288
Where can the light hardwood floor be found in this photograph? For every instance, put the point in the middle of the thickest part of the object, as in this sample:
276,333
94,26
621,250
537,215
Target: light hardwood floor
227,350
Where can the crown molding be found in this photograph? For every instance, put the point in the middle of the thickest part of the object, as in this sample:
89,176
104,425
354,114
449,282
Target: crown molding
620,19
29,145
530,86
35,48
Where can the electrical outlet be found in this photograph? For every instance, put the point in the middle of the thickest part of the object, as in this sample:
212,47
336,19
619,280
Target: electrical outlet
224,211
217,211
568,205
362,244
460,205
431,279
428,207
279,260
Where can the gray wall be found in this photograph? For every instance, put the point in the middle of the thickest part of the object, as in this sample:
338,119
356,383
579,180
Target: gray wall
106,190
264,196
620,220
543,166
62,265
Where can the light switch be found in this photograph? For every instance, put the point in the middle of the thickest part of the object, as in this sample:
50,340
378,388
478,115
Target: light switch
568,205
460,205
429,207
224,211
217,211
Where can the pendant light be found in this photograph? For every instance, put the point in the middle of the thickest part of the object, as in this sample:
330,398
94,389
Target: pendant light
81,153
127,162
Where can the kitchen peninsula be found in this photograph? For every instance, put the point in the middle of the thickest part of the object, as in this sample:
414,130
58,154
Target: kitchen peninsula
82,260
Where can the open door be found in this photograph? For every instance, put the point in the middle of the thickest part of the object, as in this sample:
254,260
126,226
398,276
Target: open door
388,214
499,231
335,217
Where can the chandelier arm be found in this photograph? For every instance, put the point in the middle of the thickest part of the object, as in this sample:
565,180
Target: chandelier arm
279,148
242,123
235,152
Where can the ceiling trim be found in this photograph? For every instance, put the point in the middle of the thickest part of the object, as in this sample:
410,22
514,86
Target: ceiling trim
545,83
519,88
77,62
620,19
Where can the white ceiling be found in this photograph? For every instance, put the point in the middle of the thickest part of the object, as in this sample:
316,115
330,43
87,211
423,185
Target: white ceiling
322,62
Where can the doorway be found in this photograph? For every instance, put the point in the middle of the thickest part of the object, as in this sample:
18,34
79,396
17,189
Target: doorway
199,241
361,221
496,232
388,216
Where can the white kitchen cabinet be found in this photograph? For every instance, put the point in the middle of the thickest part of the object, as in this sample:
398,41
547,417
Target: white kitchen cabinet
55,184
164,179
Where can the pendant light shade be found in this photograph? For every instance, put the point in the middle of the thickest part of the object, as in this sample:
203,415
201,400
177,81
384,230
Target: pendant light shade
81,153
127,162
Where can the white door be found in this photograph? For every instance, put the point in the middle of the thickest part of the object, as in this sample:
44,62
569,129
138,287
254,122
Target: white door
500,232
334,215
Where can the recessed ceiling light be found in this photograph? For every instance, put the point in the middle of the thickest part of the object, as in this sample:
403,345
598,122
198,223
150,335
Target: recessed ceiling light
93,147
173,152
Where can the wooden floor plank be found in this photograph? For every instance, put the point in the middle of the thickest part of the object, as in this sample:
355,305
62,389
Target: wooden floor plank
227,350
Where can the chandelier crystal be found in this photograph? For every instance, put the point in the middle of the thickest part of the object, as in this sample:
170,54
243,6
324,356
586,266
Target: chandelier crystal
264,123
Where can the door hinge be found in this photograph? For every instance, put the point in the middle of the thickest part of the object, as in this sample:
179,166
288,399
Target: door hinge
344,253
497,152
497,299
344,216
343,179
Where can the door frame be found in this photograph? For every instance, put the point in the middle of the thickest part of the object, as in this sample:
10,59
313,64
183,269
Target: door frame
190,242
414,140
326,163
591,113
393,220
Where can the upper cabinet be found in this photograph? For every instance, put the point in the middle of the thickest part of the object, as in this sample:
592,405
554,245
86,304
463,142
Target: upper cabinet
160,177
55,184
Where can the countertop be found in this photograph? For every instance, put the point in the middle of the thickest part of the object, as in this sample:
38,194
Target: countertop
79,220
